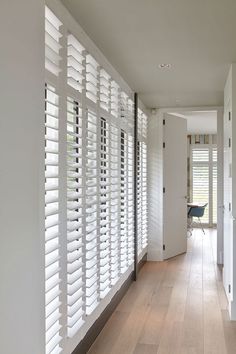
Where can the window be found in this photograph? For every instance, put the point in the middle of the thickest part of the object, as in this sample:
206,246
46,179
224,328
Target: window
142,182
89,181
204,180
52,245
75,293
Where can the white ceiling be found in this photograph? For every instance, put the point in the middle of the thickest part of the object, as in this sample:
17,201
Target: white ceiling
198,37
200,122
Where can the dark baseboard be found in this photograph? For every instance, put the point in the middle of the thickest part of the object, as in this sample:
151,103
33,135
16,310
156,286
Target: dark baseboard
93,332
142,262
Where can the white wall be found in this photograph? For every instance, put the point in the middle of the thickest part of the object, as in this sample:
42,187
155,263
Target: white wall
155,188
21,152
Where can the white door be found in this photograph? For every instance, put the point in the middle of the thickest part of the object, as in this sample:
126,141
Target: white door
228,221
175,186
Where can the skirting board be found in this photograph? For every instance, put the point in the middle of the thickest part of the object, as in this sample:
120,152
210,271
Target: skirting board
93,332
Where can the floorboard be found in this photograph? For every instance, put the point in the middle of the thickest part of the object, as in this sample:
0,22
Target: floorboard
176,307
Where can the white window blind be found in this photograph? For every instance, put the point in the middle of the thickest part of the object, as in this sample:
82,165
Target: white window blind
92,78
52,245
130,200
139,198
201,187
144,193
89,181
214,196
114,98
75,281
92,213
204,180
114,204
52,42
123,206
105,90
142,182
105,221
214,185
75,63
200,155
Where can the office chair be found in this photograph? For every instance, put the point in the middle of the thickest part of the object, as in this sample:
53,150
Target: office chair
196,212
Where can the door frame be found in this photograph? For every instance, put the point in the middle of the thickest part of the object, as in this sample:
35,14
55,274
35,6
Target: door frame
220,165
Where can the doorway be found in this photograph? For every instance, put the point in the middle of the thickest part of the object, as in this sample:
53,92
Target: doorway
205,166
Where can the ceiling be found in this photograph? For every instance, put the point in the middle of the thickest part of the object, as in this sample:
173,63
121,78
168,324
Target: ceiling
200,122
198,37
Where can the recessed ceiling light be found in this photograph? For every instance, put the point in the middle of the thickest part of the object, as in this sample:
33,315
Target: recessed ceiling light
164,66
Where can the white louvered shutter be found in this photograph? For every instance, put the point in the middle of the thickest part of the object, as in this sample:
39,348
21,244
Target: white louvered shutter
144,193
130,113
214,185
123,106
105,90
130,201
75,63
127,215
142,182
92,214
92,78
105,222
114,203
89,179
123,204
139,198
52,266
52,42
75,286
200,179
115,90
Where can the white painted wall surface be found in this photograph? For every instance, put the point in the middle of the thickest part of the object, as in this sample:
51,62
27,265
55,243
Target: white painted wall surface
21,159
155,188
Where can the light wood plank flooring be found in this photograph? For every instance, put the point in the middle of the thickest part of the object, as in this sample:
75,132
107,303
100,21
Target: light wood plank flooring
176,307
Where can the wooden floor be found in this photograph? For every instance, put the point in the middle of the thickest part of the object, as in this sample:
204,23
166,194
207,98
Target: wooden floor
176,307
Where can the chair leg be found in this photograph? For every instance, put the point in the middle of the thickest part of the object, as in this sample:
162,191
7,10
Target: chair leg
201,225
189,227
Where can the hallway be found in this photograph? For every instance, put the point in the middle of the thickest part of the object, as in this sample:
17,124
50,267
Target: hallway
176,307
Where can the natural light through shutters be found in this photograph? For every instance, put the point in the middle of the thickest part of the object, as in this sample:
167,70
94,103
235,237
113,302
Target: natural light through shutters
52,267
74,217
52,45
200,179
201,188
91,78
142,181
214,185
92,185
114,204
105,251
75,63
89,185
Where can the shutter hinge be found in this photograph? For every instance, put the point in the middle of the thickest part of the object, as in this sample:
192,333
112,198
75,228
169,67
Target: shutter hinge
164,122
229,288
229,115
229,206
164,247
164,145
164,190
